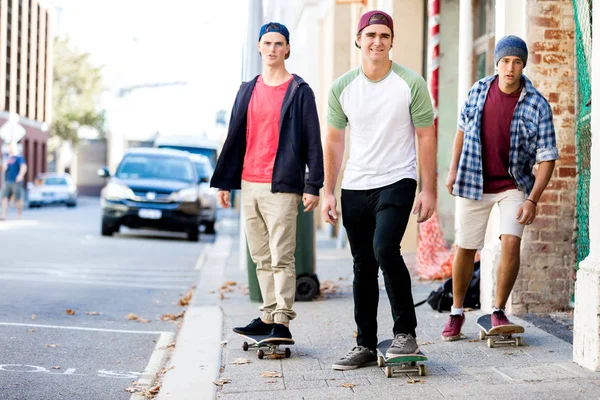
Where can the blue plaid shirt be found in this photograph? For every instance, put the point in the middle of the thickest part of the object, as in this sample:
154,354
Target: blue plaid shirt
532,139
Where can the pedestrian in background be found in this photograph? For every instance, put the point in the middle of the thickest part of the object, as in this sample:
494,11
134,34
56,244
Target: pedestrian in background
384,104
15,168
273,136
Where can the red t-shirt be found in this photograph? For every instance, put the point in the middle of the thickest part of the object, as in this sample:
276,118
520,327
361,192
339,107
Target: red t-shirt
495,139
262,134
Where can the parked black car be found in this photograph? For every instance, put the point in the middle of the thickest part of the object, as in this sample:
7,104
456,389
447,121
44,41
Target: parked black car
152,189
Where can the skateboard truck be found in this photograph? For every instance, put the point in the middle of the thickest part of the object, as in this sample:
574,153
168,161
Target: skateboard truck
505,338
269,350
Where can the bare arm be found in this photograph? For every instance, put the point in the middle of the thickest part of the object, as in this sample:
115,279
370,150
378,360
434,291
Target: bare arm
333,156
528,210
427,161
456,152
22,172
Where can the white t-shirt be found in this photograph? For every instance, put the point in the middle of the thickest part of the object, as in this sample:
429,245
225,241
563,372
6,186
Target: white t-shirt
382,116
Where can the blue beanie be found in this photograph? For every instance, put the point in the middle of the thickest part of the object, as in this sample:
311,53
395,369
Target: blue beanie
511,46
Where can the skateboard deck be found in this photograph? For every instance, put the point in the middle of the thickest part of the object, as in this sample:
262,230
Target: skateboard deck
267,347
410,363
500,334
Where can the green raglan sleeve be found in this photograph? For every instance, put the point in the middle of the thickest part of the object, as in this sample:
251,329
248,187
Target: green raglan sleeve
336,117
421,109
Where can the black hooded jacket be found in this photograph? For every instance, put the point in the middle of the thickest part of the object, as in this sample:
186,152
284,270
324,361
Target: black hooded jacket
299,143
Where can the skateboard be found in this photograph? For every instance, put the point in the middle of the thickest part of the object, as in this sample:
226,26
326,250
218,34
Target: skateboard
267,348
500,334
400,364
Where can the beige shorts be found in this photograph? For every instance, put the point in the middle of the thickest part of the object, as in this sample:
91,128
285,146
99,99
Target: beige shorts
472,217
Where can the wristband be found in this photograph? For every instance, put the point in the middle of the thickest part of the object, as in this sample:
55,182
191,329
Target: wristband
534,203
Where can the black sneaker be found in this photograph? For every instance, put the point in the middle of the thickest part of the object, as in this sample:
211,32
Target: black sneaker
402,344
357,357
256,327
279,332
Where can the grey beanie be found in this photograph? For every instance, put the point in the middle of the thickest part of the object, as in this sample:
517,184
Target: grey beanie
511,46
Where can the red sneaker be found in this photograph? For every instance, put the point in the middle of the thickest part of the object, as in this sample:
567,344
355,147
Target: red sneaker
499,319
452,329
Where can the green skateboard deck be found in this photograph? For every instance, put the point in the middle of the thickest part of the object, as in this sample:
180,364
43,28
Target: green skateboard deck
404,364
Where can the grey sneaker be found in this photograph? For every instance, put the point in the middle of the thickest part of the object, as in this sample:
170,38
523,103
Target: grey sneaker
357,357
401,345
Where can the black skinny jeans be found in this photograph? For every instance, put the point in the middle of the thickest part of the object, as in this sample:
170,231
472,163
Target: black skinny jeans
375,221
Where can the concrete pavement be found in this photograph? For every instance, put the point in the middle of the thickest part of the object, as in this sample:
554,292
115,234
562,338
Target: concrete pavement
324,331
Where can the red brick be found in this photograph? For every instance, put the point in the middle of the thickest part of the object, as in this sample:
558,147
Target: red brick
544,46
531,235
535,59
567,172
568,148
545,222
555,236
546,22
567,159
568,197
548,210
555,58
548,197
561,184
553,97
560,34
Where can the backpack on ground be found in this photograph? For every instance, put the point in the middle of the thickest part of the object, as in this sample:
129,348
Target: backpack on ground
441,299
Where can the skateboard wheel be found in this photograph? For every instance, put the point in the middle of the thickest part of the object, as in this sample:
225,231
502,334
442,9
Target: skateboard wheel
261,354
413,363
388,372
519,341
287,352
490,343
422,370
380,361
482,335
245,346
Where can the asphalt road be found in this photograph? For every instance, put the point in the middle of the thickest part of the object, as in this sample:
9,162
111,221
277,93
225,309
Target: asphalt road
54,260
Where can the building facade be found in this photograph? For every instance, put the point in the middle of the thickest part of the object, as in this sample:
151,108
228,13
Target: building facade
26,76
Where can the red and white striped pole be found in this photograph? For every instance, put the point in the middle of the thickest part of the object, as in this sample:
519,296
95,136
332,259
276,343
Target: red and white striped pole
433,55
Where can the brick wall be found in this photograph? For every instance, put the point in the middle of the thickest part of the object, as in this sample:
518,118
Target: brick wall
547,257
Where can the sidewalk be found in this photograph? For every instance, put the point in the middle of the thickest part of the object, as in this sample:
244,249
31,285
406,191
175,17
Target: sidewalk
324,331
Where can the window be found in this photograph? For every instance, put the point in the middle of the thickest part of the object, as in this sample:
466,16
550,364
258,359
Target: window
484,40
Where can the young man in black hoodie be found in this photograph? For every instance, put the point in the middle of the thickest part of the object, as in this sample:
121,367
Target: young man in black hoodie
273,136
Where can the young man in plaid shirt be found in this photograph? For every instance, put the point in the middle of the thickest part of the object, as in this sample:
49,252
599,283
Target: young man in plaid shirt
505,128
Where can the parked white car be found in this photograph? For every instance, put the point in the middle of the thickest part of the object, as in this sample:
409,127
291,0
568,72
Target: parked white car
52,188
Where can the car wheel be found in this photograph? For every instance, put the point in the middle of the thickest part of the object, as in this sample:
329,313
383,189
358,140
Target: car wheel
108,229
71,205
193,235
209,227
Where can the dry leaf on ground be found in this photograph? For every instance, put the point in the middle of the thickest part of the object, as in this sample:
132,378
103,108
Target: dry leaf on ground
56,367
328,287
473,340
154,390
415,381
51,345
171,346
33,316
92,313
230,283
143,321
240,361
30,330
224,343
355,334
222,381
131,390
172,317
222,296
348,385
70,312
271,374
185,300
426,343
270,381
131,317
508,353
165,370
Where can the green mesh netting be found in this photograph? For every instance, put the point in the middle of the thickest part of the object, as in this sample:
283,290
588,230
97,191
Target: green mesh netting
583,140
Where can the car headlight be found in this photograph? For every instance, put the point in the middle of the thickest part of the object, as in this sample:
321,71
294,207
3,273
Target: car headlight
188,195
206,190
115,191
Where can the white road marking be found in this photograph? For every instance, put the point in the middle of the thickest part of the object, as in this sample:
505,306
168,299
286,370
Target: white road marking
156,361
90,282
80,328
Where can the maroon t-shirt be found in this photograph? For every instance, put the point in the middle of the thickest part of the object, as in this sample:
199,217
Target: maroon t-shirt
495,139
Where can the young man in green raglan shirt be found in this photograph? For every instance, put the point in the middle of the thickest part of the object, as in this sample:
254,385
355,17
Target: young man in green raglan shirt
384,105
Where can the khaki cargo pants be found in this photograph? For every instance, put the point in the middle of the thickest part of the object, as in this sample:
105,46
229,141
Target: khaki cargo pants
270,220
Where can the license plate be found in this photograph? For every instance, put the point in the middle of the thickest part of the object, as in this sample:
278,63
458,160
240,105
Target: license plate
150,214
